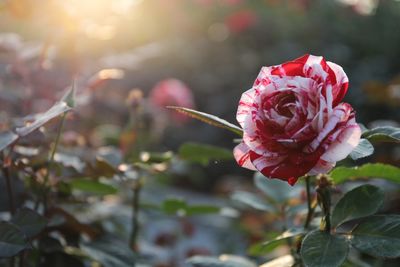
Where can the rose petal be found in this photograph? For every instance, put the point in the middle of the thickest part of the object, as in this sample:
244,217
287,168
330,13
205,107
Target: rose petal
256,135
281,167
298,67
322,166
242,157
291,68
342,82
288,69
302,59
340,113
261,162
246,104
347,140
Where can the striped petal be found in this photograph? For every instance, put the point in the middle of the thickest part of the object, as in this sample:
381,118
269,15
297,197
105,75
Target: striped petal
346,141
341,85
242,157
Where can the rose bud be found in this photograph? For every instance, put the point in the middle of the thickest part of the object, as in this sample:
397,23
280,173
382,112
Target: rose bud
172,92
241,20
294,122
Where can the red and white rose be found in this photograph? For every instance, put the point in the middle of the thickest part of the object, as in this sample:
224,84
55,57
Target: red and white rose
294,122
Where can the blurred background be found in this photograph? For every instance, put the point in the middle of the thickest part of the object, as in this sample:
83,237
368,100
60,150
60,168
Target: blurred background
214,47
202,54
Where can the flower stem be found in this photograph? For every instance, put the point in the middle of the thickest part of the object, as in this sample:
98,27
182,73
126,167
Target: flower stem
22,259
310,207
6,171
324,199
10,192
328,222
51,160
135,215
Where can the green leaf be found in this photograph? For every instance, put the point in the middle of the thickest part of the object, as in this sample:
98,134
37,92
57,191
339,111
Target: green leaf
266,247
362,150
360,202
69,160
34,122
201,209
41,119
102,168
154,157
354,261
221,261
370,170
321,249
6,139
210,119
173,205
92,187
276,189
29,222
252,201
383,134
110,252
378,236
259,249
203,154
180,207
12,240
69,96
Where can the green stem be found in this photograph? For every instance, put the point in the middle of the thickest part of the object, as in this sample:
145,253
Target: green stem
135,216
10,192
57,138
6,171
309,204
327,219
22,259
324,199
51,161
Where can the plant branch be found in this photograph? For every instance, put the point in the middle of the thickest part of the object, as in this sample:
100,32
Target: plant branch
51,161
135,215
6,170
22,259
310,206
324,199
11,203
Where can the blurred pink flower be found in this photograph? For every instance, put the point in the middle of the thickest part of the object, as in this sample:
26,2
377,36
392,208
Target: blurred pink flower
208,3
172,92
241,20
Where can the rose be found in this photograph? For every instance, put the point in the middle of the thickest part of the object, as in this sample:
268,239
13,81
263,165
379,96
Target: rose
294,122
241,20
172,92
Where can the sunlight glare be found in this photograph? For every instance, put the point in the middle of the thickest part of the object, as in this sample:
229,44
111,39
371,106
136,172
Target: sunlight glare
98,19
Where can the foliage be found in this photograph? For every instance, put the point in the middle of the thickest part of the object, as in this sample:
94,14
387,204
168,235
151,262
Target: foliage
99,176
328,246
210,119
370,170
